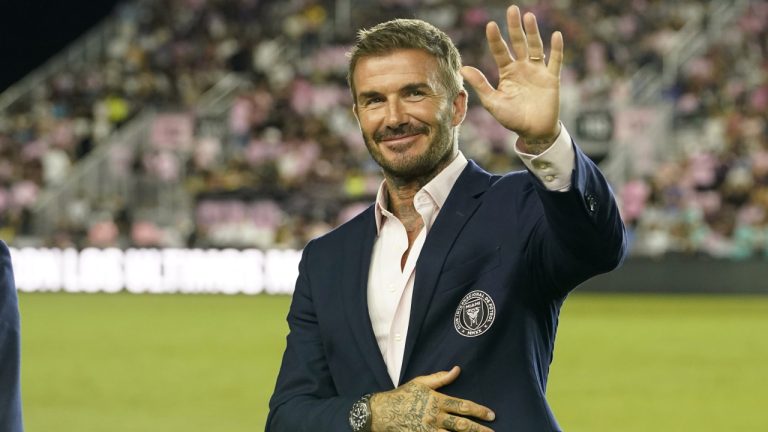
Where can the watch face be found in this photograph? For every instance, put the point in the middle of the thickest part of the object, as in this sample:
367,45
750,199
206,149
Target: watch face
358,416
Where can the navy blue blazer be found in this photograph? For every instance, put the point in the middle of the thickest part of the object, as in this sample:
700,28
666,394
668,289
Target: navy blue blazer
10,348
505,242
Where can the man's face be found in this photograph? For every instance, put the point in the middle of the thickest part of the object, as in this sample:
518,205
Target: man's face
405,115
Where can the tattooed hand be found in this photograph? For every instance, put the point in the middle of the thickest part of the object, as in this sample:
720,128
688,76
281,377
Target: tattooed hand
416,407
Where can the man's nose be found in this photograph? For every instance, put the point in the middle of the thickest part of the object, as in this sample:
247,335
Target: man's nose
396,115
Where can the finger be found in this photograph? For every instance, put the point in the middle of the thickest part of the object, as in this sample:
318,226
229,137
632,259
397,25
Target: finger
516,33
478,81
556,54
498,47
466,408
459,424
535,45
438,379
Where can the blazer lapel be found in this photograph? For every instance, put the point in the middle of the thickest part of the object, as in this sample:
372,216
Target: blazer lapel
358,250
462,202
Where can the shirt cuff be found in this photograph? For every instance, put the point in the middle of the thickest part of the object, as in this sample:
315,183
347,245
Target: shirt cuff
554,166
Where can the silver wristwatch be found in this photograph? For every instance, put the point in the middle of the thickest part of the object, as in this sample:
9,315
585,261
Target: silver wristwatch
360,415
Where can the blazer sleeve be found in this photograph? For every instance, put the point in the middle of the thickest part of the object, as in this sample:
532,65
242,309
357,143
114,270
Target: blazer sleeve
580,233
10,348
305,398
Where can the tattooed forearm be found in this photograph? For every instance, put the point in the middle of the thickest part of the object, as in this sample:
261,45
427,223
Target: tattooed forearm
537,145
410,408
417,407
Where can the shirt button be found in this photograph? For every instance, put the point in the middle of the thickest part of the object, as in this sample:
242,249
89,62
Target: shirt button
391,287
398,337
541,165
549,178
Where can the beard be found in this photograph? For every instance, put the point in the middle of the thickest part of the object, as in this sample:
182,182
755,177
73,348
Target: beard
404,167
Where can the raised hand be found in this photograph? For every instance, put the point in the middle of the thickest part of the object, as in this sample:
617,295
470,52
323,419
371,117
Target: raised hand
417,407
527,99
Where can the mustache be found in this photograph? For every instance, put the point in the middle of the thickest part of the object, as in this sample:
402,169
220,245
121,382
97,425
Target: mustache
400,131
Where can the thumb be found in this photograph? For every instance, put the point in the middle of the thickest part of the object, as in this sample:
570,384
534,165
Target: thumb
439,379
478,81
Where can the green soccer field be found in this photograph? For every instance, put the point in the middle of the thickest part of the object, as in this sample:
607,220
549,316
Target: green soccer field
95,363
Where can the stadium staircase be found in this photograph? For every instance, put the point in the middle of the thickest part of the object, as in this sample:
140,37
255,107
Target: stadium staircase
649,84
92,180
165,203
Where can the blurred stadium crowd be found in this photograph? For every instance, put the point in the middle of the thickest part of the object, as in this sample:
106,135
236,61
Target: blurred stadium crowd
291,164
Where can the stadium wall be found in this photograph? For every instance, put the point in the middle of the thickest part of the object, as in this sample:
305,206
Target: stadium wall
253,271
684,274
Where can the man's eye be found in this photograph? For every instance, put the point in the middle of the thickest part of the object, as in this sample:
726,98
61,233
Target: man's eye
415,93
374,100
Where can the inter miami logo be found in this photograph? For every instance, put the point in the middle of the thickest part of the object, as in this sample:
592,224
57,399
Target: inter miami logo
475,314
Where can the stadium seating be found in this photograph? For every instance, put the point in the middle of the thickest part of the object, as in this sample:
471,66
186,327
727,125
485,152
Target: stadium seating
228,123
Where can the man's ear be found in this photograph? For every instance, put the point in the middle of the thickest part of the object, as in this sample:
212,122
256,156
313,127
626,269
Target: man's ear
459,107
354,112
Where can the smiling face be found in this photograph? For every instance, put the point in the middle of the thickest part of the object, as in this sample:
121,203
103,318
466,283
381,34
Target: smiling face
408,119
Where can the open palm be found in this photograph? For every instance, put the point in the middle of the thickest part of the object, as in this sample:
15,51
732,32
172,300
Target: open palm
527,99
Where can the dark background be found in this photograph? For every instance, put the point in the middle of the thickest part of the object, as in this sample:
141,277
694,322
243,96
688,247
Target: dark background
31,31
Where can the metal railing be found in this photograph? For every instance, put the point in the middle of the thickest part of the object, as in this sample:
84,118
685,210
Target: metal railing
690,41
92,180
102,180
95,181
85,50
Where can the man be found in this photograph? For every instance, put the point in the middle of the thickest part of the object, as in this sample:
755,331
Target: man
436,308
10,394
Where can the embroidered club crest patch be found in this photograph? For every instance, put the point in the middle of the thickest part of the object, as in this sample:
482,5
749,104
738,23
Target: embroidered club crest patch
475,314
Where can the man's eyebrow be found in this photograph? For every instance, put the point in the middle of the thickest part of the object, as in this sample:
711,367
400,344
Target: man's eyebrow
416,86
407,87
368,94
